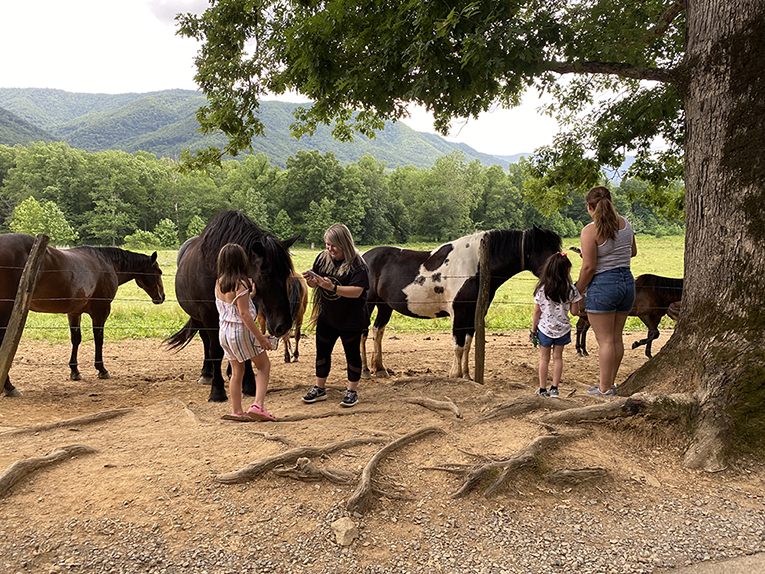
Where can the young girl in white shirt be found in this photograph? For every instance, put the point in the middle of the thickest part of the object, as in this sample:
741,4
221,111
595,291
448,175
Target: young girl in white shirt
554,296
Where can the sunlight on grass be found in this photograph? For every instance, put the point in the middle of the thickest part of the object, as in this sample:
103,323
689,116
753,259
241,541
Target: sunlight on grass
135,317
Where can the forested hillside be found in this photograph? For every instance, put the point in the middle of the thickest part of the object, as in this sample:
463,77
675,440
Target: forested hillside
15,130
137,200
164,124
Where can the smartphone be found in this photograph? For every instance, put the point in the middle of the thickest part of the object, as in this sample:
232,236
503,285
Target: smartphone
312,274
274,342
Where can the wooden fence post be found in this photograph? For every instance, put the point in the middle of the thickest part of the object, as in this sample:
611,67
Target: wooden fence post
481,307
21,306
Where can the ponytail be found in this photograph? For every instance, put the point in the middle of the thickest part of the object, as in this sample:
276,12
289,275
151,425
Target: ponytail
603,212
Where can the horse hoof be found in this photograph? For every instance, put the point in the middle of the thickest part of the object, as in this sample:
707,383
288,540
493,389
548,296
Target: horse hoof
365,374
636,344
13,393
382,373
203,380
104,375
75,377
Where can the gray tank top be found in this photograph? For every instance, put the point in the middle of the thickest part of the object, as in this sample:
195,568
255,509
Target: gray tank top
616,253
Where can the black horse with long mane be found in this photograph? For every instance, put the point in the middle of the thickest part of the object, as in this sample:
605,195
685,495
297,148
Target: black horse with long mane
74,281
444,282
270,266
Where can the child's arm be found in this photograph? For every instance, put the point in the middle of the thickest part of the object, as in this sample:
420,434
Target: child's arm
243,305
536,317
575,308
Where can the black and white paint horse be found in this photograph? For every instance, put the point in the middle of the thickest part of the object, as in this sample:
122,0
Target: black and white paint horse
444,282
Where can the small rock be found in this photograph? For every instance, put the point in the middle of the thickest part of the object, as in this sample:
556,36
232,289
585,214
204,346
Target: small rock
345,531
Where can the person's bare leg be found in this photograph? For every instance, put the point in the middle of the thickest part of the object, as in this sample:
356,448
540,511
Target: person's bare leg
557,352
619,322
263,364
544,362
604,326
235,386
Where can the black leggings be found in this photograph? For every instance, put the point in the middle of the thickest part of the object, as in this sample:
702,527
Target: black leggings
326,337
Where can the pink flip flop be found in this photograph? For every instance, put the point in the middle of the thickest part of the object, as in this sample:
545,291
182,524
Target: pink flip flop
258,413
237,418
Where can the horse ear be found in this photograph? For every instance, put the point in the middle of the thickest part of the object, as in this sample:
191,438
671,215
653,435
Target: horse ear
153,257
289,242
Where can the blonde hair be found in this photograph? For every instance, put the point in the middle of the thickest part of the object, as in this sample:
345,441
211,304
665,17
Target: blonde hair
340,236
603,212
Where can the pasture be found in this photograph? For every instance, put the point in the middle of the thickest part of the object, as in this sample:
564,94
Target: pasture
146,471
134,317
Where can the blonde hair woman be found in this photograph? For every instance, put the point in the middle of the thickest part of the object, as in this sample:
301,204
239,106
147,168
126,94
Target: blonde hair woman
608,244
340,282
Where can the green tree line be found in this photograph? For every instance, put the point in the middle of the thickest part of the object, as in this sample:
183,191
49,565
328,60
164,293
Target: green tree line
137,200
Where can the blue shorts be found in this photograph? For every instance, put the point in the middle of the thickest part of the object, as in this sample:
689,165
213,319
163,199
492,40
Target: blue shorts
545,341
611,291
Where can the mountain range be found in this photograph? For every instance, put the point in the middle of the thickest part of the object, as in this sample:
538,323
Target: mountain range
164,123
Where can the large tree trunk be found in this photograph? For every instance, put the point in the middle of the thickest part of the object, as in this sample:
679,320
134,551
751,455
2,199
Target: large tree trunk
718,348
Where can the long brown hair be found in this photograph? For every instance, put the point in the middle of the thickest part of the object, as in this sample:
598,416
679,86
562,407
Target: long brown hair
232,268
555,277
603,212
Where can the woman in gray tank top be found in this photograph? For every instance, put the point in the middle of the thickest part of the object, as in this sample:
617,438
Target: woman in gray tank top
608,244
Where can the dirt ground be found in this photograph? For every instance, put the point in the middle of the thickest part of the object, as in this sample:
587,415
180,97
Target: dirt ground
157,463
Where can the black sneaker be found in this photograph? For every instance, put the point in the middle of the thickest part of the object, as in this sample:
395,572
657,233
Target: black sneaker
553,392
350,399
315,394
541,392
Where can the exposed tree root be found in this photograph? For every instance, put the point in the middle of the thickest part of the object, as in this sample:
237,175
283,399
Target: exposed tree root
664,407
360,499
260,466
433,405
527,456
20,469
77,421
304,469
524,405
325,414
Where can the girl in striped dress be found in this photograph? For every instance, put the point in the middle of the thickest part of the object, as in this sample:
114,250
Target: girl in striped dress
239,334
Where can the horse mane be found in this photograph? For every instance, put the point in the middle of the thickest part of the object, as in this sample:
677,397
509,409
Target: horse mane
233,226
504,241
121,258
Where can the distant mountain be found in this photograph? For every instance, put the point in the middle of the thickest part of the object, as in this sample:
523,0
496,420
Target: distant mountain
15,130
164,123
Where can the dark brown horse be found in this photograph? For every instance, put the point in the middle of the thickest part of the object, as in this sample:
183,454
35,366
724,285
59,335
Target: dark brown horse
655,296
270,266
75,281
444,283
297,290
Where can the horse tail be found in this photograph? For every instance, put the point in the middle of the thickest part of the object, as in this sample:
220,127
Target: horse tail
295,297
183,337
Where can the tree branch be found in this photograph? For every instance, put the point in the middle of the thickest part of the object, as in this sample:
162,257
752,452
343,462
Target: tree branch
666,19
615,69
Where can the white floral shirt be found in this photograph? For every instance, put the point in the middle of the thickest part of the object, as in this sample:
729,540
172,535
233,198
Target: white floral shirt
554,321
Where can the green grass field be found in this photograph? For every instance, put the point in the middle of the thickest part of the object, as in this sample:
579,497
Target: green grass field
134,316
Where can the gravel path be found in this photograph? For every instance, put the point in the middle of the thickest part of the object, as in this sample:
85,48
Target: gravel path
603,536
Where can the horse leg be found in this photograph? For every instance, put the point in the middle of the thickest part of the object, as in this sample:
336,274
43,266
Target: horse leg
466,358
98,339
8,389
296,354
75,334
653,333
206,376
213,363
582,326
365,374
378,331
248,380
287,348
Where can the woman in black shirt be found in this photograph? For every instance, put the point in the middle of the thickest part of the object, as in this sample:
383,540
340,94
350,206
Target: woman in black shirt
339,277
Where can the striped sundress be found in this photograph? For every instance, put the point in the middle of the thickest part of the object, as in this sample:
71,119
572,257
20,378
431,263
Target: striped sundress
234,336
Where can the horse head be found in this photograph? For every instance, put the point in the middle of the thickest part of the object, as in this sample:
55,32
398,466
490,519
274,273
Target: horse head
538,245
270,269
150,280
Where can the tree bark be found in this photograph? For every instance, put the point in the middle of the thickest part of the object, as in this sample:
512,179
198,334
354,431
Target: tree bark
718,341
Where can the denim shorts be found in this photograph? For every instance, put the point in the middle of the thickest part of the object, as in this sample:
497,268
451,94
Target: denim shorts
611,291
545,341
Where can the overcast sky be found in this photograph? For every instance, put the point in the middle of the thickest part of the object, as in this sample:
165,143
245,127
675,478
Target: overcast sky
119,46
